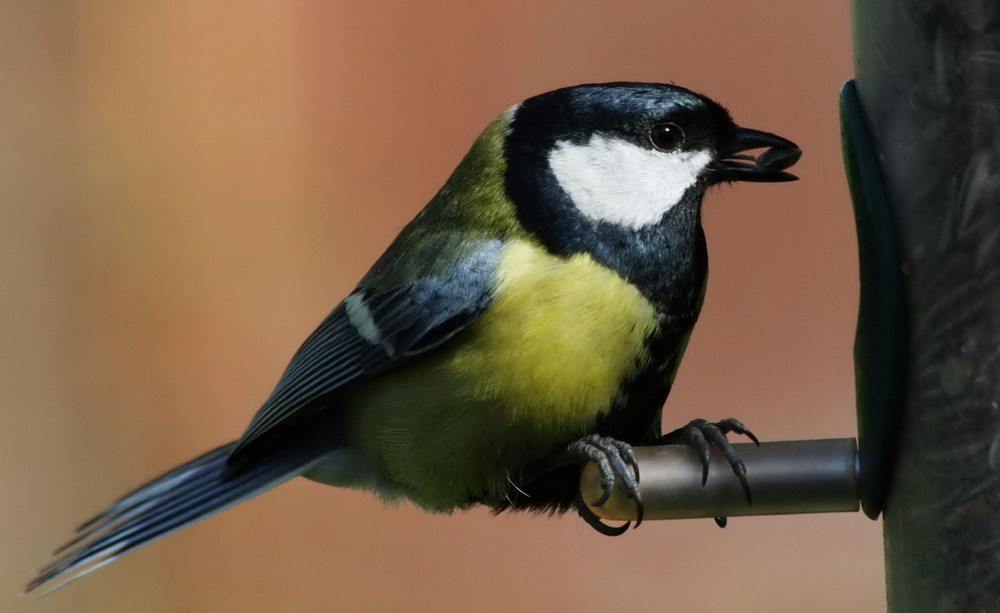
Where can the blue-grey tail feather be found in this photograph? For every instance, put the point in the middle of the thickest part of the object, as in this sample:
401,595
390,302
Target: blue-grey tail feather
189,493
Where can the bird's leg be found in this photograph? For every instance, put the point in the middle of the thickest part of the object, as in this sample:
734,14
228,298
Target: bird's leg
702,434
615,460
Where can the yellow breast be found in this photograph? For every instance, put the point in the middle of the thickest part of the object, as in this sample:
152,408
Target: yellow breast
558,341
534,372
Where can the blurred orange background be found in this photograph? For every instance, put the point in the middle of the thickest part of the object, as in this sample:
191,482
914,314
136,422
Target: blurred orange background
187,188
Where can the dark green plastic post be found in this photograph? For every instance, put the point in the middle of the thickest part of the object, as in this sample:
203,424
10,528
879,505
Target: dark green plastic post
928,83
880,343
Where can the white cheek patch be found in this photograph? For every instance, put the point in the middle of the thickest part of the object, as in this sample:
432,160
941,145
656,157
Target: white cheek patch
615,181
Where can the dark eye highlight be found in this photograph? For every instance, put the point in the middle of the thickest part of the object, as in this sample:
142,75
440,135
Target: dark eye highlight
666,136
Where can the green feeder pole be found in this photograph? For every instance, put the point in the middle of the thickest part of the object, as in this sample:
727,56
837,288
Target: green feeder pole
928,90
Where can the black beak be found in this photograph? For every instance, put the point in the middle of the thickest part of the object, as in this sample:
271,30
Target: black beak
769,166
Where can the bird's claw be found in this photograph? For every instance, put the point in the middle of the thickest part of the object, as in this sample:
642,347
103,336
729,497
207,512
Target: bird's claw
702,434
615,460
595,522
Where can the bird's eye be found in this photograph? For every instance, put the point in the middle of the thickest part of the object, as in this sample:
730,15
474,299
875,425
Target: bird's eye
666,136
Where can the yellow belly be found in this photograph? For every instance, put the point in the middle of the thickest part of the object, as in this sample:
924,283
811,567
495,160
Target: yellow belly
534,372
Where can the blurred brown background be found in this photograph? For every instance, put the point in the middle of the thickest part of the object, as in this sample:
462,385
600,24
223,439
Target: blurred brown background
187,188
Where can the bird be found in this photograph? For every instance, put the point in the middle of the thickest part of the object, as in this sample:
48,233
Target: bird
530,319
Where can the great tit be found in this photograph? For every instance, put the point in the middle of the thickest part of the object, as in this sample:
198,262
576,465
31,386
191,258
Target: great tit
530,319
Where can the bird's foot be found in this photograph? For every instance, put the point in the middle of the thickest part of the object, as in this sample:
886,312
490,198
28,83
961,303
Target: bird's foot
702,434
615,460
594,520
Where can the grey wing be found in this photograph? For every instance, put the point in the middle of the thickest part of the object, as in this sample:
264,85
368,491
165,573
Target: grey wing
373,330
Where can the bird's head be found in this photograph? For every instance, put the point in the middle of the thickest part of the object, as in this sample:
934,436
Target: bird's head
627,154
